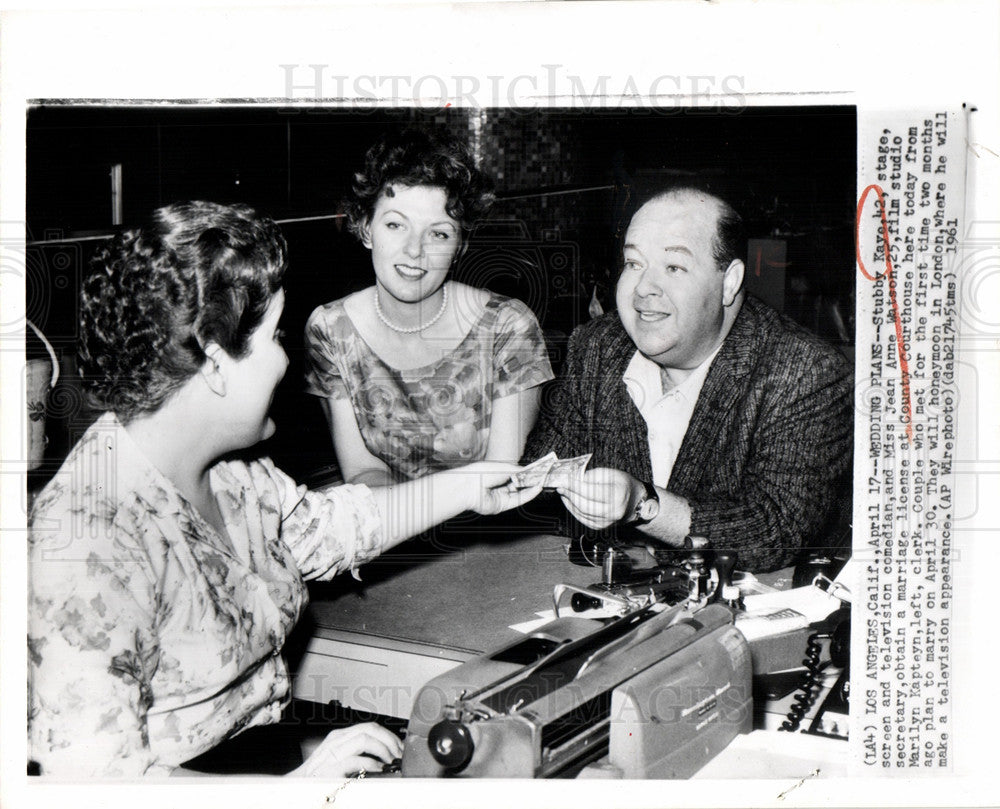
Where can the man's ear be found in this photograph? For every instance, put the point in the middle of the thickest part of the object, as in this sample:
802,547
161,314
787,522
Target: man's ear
732,282
213,368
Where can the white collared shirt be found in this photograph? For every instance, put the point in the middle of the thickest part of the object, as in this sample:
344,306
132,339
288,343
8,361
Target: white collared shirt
667,414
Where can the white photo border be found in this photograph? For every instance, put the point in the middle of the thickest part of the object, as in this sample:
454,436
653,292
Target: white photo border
877,55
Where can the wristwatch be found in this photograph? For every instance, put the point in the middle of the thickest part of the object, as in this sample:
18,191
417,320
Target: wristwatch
646,507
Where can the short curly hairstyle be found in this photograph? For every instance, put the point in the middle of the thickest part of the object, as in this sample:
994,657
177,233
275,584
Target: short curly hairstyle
155,296
415,158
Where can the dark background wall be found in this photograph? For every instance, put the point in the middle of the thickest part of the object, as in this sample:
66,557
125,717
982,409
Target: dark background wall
564,180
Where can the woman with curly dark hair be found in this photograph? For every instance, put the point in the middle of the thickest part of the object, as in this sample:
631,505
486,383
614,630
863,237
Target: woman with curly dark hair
419,373
165,571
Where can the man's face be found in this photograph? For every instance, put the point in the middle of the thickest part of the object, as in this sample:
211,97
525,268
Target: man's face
671,294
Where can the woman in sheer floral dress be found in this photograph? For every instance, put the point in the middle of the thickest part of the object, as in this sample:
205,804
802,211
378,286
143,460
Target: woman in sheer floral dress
165,571
419,373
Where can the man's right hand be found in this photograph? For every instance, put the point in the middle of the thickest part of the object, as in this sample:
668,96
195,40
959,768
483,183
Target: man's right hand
603,497
600,497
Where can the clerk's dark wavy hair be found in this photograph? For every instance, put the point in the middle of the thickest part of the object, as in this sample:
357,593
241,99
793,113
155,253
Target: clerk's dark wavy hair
155,296
416,158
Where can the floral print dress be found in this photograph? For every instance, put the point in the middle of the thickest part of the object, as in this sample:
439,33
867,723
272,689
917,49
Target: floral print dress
435,417
152,638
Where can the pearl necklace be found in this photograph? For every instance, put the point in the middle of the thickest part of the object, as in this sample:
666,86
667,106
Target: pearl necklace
427,325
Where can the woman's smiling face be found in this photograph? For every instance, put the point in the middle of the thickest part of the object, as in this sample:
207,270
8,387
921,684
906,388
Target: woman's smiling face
413,241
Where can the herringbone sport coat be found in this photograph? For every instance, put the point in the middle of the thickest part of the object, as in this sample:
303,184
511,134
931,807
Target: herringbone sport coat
766,460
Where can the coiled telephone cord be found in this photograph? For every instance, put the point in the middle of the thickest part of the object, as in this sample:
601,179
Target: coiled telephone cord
809,689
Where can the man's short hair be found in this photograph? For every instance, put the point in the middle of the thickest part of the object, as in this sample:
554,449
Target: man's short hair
730,240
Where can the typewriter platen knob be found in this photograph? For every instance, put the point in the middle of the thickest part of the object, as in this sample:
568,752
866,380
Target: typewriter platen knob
451,744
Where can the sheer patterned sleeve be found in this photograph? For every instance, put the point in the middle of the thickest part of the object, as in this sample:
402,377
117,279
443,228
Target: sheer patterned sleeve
324,346
92,647
520,357
327,531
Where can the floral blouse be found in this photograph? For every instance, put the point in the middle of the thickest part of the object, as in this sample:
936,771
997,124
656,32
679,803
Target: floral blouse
151,638
436,417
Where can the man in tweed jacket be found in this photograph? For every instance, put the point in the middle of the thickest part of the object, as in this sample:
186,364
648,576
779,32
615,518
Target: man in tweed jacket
706,411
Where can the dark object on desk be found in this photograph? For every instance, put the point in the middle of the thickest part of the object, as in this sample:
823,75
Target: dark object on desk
700,577
277,749
266,750
727,592
819,564
595,701
776,685
837,628
390,770
832,718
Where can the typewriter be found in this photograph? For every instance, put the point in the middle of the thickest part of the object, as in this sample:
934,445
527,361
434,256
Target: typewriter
654,692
